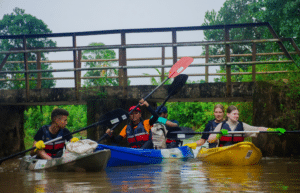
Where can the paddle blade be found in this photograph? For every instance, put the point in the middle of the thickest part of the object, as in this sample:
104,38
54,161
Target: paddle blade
180,66
177,84
174,136
113,117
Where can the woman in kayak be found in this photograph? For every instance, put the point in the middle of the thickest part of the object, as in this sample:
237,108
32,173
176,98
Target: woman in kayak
210,126
137,131
233,124
48,132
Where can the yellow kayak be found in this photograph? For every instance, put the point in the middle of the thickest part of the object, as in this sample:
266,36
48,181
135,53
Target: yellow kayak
243,153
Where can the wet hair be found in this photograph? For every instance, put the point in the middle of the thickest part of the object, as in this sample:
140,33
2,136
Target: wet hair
219,106
57,112
231,108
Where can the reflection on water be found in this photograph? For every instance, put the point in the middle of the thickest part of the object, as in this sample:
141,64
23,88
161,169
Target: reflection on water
271,175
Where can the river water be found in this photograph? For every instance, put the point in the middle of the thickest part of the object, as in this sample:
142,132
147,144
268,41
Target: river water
271,175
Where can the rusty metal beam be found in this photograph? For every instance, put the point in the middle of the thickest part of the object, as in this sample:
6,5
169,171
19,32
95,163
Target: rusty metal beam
26,69
4,61
174,40
162,63
228,67
38,67
253,59
75,67
293,44
206,61
142,30
177,44
274,34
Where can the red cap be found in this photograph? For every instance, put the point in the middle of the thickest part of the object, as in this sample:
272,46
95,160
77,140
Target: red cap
137,109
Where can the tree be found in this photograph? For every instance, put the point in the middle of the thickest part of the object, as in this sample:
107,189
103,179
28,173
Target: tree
100,54
251,11
19,23
284,17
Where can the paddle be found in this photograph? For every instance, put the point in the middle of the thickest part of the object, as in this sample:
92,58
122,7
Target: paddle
174,136
181,134
176,69
176,85
109,118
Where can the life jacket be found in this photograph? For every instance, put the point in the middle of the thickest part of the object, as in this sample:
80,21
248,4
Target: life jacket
137,136
212,127
52,148
231,139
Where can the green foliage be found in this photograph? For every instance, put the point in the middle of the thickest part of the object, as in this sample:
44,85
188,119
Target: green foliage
100,54
19,23
37,116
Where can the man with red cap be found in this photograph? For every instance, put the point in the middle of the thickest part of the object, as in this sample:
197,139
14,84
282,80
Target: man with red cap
137,131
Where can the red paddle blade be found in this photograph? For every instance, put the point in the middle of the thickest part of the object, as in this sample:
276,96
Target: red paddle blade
180,66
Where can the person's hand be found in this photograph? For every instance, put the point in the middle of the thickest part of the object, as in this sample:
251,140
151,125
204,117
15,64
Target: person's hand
109,132
39,145
279,130
143,102
191,145
223,132
74,139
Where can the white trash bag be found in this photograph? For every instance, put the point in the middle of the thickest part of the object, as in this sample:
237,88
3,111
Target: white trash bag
84,146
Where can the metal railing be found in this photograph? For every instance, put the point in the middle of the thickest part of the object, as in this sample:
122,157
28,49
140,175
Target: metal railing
123,77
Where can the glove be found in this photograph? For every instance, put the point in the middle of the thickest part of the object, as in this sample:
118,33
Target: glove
280,130
74,139
191,145
39,145
162,120
223,132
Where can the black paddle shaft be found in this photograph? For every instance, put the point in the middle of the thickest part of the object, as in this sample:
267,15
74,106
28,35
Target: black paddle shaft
177,84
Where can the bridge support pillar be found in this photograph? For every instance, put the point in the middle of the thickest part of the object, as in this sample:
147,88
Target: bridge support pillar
98,107
11,130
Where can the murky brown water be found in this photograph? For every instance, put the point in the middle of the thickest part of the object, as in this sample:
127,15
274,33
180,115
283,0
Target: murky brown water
271,175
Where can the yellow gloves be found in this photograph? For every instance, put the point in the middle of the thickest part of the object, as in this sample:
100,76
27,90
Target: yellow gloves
39,145
191,145
74,139
280,130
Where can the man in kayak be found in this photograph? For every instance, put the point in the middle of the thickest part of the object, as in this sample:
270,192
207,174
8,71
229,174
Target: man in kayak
233,124
162,112
48,132
138,130
210,126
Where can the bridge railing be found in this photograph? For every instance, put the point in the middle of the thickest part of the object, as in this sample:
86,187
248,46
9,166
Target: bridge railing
122,60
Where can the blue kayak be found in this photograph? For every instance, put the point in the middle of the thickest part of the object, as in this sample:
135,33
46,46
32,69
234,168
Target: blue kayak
124,156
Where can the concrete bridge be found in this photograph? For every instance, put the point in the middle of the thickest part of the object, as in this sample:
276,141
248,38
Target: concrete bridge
204,92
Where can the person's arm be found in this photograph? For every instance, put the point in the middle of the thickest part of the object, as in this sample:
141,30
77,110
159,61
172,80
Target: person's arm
248,127
171,124
67,132
213,137
118,138
154,118
38,136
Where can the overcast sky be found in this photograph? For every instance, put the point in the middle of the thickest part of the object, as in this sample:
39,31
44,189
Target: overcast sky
95,15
